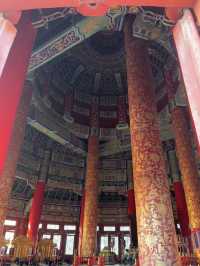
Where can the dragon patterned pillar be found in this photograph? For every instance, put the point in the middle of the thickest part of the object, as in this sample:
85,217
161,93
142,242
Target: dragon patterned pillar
88,246
186,159
189,171
155,223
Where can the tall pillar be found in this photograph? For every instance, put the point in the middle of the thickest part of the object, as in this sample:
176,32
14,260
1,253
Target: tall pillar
132,217
88,246
8,174
22,226
186,159
38,199
189,172
189,58
122,113
181,205
155,223
12,81
81,223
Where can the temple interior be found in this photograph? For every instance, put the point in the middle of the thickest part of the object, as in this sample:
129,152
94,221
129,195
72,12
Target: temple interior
101,161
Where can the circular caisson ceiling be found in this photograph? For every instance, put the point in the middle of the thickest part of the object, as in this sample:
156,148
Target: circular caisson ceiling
95,67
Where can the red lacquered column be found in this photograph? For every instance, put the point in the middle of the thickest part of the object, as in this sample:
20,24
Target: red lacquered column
181,205
9,170
182,208
36,211
13,113
81,223
132,217
22,226
38,199
12,81
189,57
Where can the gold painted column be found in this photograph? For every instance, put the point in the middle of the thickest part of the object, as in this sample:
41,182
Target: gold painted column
155,223
88,246
188,167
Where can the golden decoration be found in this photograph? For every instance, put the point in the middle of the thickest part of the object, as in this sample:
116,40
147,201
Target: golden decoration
46,249
23,247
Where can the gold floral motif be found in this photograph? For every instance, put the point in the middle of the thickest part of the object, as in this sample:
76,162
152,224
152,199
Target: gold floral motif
188,166
88,246
155,223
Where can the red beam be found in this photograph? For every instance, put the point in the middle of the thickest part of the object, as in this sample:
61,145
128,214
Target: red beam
6,5
187,42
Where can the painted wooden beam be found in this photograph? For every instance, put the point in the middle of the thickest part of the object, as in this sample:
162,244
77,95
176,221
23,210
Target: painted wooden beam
73,36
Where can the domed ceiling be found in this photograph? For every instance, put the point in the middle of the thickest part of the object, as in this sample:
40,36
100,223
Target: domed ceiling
95,67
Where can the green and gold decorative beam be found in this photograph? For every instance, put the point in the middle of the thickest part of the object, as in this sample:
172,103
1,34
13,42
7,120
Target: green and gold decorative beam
75,35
